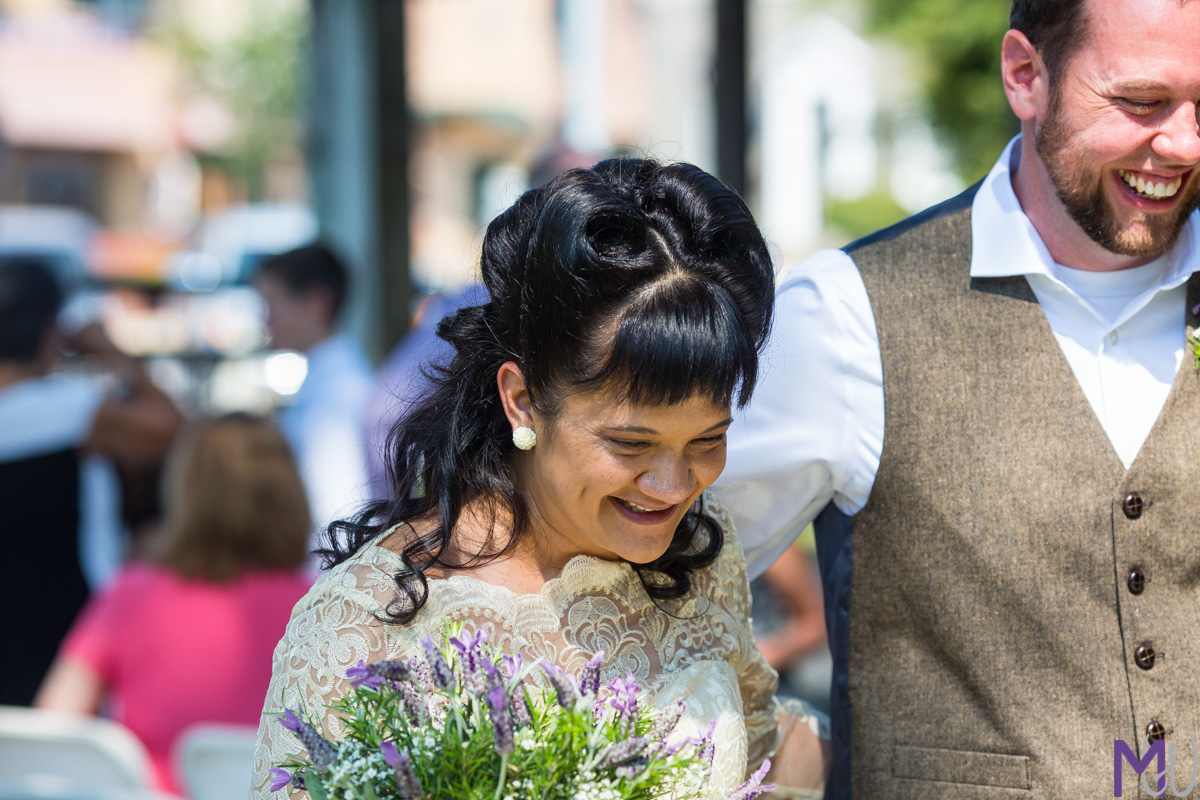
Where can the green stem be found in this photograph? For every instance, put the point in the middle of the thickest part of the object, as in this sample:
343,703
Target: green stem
503,776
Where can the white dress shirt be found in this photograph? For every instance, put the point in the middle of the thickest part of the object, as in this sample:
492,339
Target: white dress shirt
813,432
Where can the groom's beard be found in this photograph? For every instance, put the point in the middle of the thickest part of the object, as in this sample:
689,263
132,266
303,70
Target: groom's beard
1086,194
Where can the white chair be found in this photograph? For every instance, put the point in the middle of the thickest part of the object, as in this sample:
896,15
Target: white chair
56,751
215,762
54,789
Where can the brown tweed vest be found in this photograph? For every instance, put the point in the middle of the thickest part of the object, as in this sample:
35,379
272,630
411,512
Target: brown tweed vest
994,624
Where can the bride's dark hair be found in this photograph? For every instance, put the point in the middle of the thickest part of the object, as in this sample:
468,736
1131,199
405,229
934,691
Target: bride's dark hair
648,281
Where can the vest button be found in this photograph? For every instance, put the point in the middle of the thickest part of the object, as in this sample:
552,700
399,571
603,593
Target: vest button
1144,655
1132,505
1155,731
1136,581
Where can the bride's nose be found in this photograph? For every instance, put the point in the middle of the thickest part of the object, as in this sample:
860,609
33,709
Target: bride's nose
669,481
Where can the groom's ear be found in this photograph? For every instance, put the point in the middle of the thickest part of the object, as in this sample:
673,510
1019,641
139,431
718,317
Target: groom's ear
514,395
1026,80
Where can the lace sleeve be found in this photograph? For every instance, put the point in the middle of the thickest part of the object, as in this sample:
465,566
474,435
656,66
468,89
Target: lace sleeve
790,729
756,679
331,629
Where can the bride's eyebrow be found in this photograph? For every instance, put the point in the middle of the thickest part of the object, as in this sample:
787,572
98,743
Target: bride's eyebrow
652,432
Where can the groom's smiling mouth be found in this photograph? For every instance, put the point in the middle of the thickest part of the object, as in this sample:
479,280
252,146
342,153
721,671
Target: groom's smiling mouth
1152,187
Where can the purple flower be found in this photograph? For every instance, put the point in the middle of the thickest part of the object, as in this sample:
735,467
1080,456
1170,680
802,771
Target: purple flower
563,684
279,778
502,724
622,752
511,665
421,675
443,676
589,679
632,769
320,752
522,713
754,786
666,721
624,698
414,704
291,721
406,780
470,649
360,675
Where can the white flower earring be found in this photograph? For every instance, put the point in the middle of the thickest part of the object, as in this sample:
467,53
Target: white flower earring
524,438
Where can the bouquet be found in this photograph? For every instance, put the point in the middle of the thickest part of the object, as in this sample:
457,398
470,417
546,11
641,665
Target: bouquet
465,722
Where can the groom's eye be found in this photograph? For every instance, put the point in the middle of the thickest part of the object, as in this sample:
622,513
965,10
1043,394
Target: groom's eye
1138,106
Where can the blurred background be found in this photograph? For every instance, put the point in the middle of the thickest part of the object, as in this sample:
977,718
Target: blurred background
157,152
159,149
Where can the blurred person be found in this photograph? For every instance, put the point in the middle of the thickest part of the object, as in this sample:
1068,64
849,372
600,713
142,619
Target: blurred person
60,436
186,636
403,377
990,409
304,291
789,625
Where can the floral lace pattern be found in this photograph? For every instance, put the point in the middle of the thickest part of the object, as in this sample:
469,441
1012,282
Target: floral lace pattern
703,651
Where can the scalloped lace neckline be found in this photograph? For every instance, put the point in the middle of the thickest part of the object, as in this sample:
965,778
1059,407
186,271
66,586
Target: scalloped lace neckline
580,571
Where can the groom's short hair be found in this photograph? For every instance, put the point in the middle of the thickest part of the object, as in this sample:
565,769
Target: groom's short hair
1057,28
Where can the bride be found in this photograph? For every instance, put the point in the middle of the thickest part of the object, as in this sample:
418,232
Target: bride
551,486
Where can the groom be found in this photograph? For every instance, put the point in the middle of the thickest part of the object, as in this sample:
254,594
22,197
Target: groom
992,414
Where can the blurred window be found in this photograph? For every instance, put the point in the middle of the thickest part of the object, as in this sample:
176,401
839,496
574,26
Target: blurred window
63,179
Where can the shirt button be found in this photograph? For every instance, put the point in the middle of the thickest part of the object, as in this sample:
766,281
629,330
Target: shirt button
1136,581
1155,731
1143,656
1112,338
1132,505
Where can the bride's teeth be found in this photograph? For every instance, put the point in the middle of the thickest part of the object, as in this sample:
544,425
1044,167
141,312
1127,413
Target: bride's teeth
635,506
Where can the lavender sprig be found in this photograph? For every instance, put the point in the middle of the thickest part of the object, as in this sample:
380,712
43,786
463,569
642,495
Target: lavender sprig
471,659
589,679
406,779
414,704
439,669
376,674
624,751
320,752
564,688
666,721
753,787
522,713
502,722
624,699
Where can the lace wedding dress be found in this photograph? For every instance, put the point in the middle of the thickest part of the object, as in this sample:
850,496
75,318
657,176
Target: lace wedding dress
702,651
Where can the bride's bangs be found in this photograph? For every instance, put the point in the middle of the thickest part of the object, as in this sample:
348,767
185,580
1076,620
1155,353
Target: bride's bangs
677,340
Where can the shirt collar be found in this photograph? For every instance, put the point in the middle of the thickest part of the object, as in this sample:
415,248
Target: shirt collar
1004,243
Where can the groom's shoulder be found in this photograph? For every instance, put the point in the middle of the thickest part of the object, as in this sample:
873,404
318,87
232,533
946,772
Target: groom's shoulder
957,204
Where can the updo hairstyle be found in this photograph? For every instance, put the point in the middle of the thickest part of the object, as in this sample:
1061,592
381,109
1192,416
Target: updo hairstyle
649,282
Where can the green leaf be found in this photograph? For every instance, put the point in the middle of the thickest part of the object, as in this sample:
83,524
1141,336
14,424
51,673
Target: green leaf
316,789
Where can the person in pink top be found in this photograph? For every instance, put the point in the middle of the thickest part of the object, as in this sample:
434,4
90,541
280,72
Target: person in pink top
186,636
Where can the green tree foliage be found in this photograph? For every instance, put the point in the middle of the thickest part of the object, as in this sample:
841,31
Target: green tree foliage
257,74
958,45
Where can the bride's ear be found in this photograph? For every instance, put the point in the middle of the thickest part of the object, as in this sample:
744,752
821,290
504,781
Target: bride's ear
514,395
